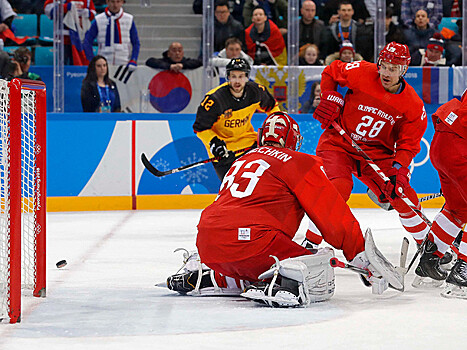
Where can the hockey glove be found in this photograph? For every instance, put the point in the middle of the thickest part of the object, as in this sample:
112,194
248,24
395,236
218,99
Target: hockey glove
399,178
218,147
329,108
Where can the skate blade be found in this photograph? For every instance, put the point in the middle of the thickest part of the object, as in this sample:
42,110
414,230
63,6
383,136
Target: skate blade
426,283
451,291
263,299
161,285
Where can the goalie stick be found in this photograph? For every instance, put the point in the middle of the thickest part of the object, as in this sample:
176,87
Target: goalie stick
388,206
153,170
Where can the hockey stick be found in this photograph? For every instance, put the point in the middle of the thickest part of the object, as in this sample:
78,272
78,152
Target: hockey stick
152,169
337,263
388,206
334,262
379,171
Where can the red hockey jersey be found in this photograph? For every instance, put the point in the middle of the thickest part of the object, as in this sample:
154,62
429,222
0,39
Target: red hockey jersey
454,115
381,123
268,190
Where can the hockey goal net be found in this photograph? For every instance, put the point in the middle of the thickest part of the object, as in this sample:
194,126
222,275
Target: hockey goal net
22,194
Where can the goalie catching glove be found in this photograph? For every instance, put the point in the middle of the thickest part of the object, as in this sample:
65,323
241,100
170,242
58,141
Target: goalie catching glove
399,177
329,108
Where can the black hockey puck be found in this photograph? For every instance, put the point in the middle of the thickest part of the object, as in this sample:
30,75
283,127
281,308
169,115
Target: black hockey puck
61,263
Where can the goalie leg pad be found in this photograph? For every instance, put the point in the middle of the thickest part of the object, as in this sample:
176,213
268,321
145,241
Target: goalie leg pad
381,264
305,280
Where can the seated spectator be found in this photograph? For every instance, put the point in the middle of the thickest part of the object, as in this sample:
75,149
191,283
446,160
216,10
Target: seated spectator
452,8
410,8
360,35
314,100
275,10
78,14
225,26
98,92
6,15
432,55
233,49
173,59
453,45
122,49
309,56
22,61
345,54
418,36
393,32
310,28
264,41
330,12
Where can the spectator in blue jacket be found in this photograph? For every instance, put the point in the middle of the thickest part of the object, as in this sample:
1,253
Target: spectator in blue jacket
98,92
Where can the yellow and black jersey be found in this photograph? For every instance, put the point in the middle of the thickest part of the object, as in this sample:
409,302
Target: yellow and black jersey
229,118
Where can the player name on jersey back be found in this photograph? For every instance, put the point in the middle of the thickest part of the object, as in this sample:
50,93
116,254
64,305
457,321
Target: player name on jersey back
273,152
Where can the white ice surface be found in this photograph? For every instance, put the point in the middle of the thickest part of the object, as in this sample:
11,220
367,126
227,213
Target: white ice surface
105,297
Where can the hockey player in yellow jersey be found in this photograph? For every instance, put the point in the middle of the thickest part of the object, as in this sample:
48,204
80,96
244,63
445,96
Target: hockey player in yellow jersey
223,119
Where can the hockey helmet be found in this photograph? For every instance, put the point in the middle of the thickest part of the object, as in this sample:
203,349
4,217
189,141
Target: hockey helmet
281,128
395,53
240,64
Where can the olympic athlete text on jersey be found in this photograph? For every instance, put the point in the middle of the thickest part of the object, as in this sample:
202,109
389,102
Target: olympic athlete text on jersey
223,119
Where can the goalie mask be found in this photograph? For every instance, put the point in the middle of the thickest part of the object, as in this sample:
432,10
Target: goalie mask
281,128
396,54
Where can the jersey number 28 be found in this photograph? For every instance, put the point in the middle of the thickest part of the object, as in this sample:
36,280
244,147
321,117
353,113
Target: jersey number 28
367,121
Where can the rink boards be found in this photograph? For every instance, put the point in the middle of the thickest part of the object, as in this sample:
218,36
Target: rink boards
94,162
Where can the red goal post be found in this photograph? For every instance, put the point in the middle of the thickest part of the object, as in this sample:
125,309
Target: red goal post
22,193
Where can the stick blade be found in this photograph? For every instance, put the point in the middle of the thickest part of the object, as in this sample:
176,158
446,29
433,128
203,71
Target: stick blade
147,164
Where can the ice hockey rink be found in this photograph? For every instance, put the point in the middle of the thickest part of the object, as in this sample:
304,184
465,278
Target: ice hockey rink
105,297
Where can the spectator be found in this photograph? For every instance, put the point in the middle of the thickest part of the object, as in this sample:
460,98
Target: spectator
393,32
123,48
330,13
310,28
360,35
79,14
453,47
6,15
173,59
432,55
345,54
225,26
275,10
433,8
98,92
236,9
418,36
315,97
22,61
233,49
309,56
264,41
452,8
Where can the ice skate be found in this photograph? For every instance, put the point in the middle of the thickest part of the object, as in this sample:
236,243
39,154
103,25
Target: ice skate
429,272
456,282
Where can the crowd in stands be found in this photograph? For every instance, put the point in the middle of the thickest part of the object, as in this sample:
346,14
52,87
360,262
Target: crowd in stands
252,29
